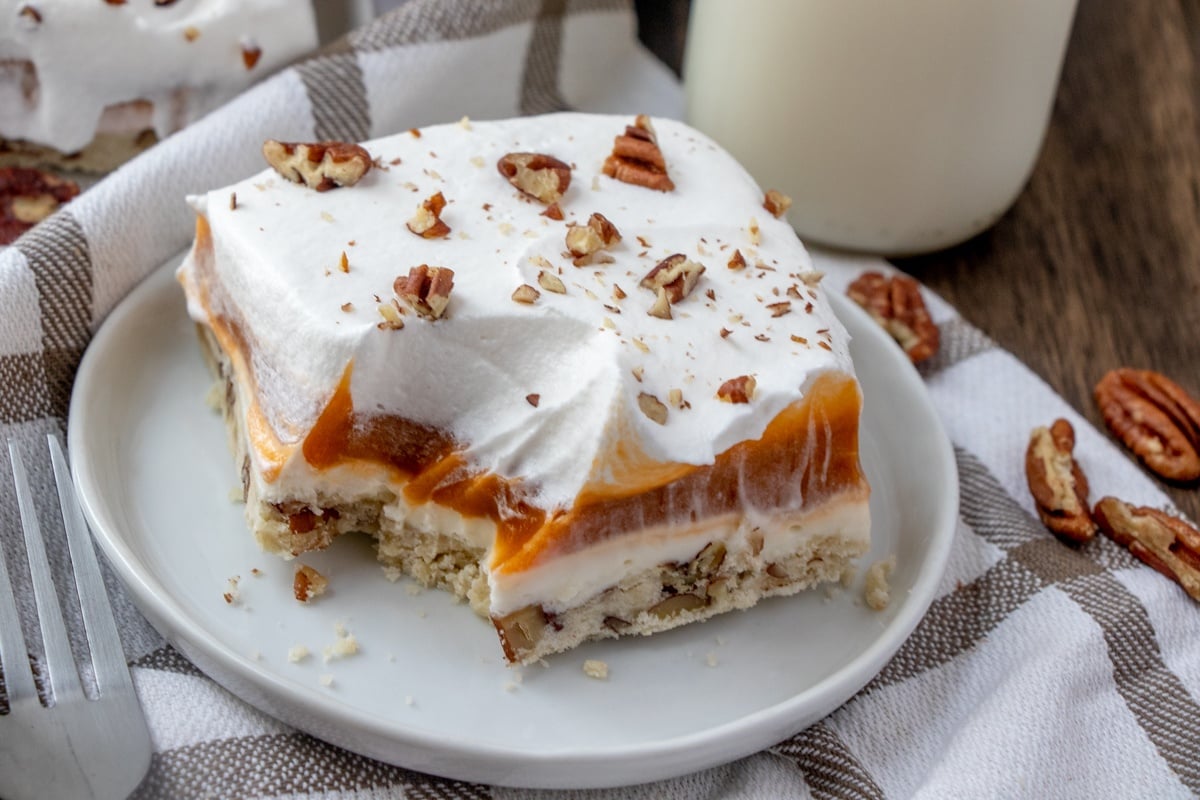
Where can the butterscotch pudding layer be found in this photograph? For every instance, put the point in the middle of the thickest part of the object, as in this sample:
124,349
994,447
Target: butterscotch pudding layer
587,429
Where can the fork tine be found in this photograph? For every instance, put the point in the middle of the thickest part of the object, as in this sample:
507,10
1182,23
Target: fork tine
112,674
14,657
64,678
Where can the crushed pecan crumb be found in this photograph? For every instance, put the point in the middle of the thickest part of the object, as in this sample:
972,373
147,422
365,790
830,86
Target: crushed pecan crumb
637,159
308,583
392,321
533,399
232,201
251,53
737,390
427,222
776,203
551,282
344,262
725,332
653,408
525,294
318,165
554,212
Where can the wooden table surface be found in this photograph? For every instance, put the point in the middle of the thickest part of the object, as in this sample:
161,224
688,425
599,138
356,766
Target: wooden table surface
1097,265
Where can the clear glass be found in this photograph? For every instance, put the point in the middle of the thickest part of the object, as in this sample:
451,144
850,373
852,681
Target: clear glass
896,126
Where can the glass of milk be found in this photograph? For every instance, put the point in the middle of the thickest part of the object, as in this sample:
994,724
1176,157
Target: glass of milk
896,126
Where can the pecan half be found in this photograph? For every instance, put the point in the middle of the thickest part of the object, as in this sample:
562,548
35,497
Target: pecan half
636,157
426,289
1155,418
537,175
1058,485
318,165
427,222
896,304
27,196
1167,543
586,240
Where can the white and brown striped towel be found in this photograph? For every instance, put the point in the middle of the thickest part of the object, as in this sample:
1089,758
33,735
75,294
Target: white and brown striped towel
1040,671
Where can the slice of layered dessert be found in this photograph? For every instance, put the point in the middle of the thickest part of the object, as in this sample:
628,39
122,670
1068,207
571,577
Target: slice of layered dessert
573,368
87,85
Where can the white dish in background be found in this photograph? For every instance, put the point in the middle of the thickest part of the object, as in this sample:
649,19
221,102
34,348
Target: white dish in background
154,475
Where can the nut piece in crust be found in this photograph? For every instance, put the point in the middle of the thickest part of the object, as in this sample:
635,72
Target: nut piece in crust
737,390
521,631
427,222
308,583
27,196
426,289
1155,418
1167,543
537,175
676,604
318,165
896,304
586,240
636,157
776,203
1058,485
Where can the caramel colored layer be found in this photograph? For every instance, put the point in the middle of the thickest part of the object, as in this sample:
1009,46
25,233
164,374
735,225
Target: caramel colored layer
808,452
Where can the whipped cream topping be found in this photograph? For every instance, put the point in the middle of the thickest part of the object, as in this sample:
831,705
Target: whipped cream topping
63,62
587,354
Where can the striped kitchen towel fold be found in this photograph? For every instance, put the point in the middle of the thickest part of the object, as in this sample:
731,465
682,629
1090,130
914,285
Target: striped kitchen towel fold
1040,670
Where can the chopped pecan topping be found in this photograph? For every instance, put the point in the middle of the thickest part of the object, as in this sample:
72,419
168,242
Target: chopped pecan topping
776,203
30,14
1167,543
672,279
737,390
533,399
551,282
553,212
737,260
251,53
392,321
1058,485
653,408
27,196
319,165
344,262
308,583
525,294
427,222
636,157
537,175
780,308
585,241
896,304
1155,418
426,289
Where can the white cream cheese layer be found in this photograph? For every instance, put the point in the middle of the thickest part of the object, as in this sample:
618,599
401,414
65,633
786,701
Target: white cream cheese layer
587,354
63,62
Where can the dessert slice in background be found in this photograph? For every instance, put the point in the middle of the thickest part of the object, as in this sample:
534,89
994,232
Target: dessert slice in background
87,85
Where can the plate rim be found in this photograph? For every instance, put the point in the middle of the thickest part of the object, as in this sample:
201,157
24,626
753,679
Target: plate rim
482,761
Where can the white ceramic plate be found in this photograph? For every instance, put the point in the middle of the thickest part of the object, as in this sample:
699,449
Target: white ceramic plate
428,689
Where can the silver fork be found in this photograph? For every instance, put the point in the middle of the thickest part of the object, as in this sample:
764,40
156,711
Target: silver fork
77,747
